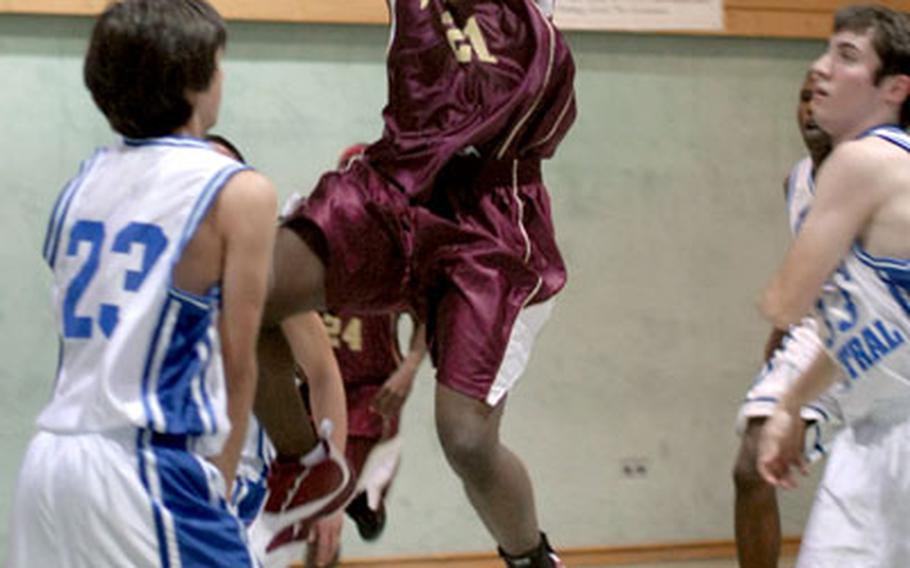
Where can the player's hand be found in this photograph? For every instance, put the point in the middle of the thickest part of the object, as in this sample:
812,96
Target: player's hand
780,448
324,541
393,394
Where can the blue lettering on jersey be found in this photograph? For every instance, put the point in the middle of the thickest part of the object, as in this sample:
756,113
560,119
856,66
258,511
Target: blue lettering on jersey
91,232
867,347
150,237
839,318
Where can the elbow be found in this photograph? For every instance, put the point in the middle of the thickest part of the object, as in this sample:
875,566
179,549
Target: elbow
778,312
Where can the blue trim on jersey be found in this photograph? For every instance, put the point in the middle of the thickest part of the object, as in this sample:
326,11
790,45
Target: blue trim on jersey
183,368
147,368
893,266
250,497
200,301
172,141
142,447
206,399
203,204
819,410
881,128
894,272
62,205
760,399
775,400
894,135
207,534
185,423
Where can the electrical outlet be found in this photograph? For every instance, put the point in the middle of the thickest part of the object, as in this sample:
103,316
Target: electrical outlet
634,468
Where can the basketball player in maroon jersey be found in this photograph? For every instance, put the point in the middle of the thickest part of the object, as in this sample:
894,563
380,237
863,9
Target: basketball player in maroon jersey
377,381
447,215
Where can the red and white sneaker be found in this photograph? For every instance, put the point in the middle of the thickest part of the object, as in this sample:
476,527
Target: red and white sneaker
278,550
299,492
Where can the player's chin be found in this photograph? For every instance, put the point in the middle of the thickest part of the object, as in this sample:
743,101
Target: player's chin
816,137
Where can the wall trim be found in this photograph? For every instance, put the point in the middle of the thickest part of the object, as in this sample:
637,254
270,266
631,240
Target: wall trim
587,556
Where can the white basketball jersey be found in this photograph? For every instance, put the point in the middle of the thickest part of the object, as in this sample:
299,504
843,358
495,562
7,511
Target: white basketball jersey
866,323
135,351
800,193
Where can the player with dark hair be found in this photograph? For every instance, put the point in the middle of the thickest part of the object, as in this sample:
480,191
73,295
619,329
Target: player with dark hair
159,250
850,262
377,381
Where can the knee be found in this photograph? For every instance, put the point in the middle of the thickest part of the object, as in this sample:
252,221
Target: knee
467,450
746,476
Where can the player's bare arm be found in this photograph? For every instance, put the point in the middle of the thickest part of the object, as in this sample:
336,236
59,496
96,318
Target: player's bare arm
312,351
838,217
391,398
244,216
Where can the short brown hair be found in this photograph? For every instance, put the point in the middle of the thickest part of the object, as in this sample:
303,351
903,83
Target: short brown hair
890,38
143,58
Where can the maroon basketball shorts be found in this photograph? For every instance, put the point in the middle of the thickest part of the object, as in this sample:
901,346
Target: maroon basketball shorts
469,262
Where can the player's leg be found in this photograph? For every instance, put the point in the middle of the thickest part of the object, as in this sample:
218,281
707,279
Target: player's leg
494,478
279,407
757,520
756,514
481,332
325,252
469,334
291,505
375,471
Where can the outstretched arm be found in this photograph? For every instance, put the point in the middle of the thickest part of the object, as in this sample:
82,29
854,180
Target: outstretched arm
846,197
312,351
391,398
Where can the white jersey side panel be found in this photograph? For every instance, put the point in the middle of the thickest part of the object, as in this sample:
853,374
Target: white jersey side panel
866,324
136,352
800,193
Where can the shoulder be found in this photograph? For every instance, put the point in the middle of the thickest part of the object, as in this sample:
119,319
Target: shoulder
866,155
249,187
247,195
861,168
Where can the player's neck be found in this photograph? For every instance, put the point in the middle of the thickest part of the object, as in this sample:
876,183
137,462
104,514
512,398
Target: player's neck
861,127
193,127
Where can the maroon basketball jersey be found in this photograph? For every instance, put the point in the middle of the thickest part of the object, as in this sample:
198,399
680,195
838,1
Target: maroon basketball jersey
492,75
365,345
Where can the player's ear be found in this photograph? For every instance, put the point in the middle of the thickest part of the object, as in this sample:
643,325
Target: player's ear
897,88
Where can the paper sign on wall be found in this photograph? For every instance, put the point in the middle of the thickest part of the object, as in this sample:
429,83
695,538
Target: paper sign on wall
640,14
